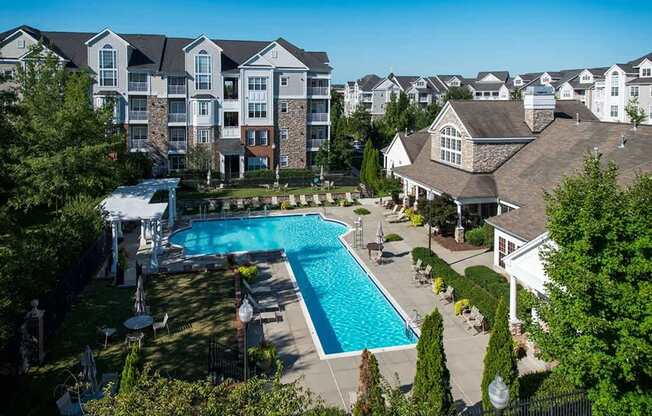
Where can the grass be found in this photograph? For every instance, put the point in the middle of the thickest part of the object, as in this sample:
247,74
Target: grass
393,237
199,306
362,211
259,192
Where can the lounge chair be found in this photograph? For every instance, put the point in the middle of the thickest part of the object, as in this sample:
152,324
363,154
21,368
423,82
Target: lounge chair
400,218
349,198
264,304
226,205
329,198
447,295
479,323
160,325
255,202
316,200
292,200
470,318
258,290
240,203
393,212
275,201
423,276
302,199
416,267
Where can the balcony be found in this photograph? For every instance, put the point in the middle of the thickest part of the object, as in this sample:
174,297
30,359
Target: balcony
231,132
318,91
318,117
178,89
177,117
137,86
135,115
137,145
315,143
178,146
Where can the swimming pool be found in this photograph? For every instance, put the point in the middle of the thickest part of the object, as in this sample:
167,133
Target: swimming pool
348,311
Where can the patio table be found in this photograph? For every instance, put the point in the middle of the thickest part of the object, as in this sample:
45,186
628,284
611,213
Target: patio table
138,322
374,247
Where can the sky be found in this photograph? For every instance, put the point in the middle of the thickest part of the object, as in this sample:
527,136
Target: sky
405,37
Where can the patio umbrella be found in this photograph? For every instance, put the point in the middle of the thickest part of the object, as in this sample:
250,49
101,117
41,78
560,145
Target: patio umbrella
278,175
380,236
89,370
139,305
321,174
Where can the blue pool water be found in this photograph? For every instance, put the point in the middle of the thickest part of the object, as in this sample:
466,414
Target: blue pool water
348,311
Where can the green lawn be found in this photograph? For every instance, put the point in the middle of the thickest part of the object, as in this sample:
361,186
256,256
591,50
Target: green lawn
259,192
199,305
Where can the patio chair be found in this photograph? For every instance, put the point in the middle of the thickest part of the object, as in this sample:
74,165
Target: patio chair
388,203
447,295
400,218
275,201
393,212
240,203
255,202
258,290
419,264
285,187
269,303
329,198
292,200
424,275
316,200
133,338
396,215
269,315
302,199
470,318
160,325
349,198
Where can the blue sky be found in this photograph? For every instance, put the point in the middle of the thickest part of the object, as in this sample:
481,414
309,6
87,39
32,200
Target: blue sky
408,37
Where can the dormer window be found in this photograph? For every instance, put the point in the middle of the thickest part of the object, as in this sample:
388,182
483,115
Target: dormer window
108,66
450,146
545,80
646,72
518,81
586,78
455,83
203,71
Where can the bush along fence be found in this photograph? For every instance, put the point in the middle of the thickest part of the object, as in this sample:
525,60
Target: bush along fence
482,286
567,404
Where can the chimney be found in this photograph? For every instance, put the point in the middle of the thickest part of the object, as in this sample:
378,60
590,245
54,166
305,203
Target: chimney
539,106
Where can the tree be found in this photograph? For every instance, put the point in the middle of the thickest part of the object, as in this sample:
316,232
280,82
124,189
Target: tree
399,114
336,154
129,376
424,117
370,167
599,293
359,123
370,395
516,94
635,113
458,93
441,210
500,357
200,159
432,391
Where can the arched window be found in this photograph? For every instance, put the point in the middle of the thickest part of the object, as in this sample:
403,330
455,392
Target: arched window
450,144
108,66
203,71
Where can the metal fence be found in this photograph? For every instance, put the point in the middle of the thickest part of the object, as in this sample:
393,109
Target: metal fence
224,363
569,404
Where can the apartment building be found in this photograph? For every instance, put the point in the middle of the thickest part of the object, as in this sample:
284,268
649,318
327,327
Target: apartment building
254,104
490,85
359,93
420,90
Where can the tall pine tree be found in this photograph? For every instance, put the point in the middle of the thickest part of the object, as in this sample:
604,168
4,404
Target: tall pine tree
370,395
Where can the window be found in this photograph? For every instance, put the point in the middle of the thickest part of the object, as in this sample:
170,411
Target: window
586,77
284,134
614,85
646,72
177,134
203,136
256,163
203,71
614,111
505,248
251,137
231,119
8,73
284,81
494,93
261,138
566,94
177,162
283,107
478,93
518,81
257,110
138,104
257,84
21,43
202,108
284,161
450,146
138,132
633,91
230,88
177,107
108,66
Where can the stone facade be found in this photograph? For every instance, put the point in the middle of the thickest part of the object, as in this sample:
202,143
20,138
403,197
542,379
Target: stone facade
451,119
295,121
488,157
157,130
537,119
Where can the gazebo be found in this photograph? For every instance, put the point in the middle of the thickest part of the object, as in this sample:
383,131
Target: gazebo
132,203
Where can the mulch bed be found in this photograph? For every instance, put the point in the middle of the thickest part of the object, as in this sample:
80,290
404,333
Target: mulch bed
452,245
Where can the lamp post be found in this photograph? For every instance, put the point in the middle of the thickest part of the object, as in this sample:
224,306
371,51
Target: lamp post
498,394
245,312
429,225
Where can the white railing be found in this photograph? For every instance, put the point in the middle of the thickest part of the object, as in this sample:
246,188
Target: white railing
318,117
230,132
138,144
315,143
318,90
177,117
137,115
176,89
180,145
137,86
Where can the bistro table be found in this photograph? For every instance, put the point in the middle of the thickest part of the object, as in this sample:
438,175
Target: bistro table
138,322
374,247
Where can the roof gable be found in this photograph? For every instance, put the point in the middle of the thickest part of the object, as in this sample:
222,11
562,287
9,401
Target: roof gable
102,34
199,40
275,55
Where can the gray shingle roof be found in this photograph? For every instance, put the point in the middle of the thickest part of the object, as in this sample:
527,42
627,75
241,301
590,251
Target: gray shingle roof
413,143
405,81
501,75
368,82
640,81
486,86
637,61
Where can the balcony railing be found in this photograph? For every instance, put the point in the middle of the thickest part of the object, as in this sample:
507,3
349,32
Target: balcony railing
315,143
318,90
177,117
137,115
138,144
176,89
318,117
230,132
139,86
178,146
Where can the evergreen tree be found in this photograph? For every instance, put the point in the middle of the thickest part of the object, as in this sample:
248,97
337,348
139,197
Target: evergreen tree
500,357
129,376
458,93
431,391
370,394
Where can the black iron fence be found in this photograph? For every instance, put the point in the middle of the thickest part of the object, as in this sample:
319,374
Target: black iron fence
225,363
569,404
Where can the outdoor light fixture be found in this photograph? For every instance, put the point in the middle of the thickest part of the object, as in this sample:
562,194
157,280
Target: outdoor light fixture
498,394
245,312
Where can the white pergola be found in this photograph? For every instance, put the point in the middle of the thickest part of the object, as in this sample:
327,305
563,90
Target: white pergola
132,203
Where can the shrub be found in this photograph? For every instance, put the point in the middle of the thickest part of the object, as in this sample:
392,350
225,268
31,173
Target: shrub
416,220
488,236
129,375
263,355
475,236
285,205
438,285
344,203
370,395
362,211
249,273
461,305
393,237
408,212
